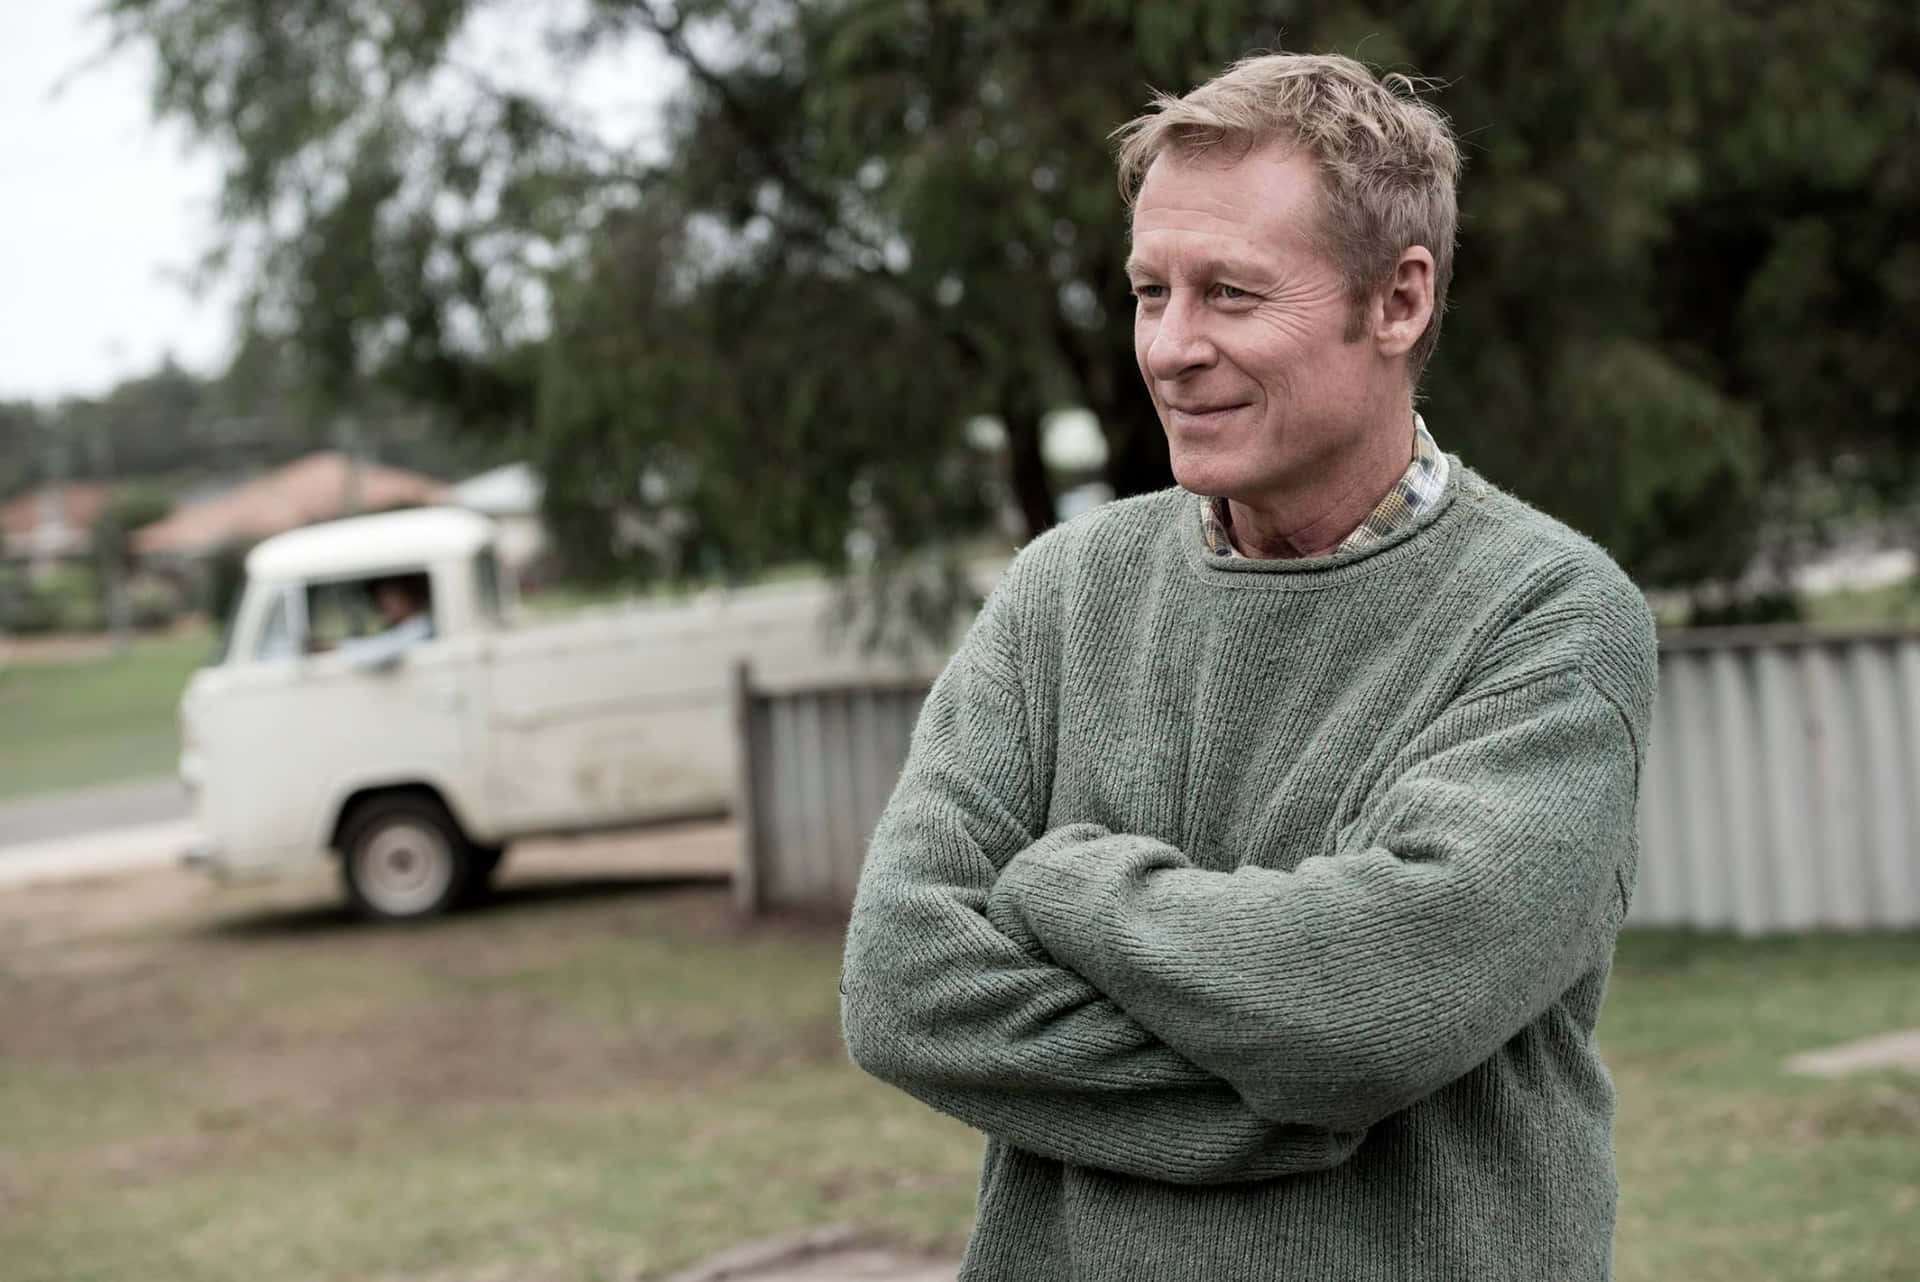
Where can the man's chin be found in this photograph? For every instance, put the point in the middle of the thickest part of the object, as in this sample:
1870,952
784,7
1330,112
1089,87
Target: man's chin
1213,477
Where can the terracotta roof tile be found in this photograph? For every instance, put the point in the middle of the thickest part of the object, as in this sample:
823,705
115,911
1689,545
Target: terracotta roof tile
305,491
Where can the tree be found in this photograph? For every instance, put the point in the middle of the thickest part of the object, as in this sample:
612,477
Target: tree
122,514
1686,255
22,446
174,429
141,425
754,431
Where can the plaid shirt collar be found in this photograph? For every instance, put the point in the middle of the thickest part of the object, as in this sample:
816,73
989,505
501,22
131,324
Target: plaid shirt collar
1411,495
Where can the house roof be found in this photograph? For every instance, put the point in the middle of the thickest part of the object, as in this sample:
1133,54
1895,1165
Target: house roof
305,491
56,519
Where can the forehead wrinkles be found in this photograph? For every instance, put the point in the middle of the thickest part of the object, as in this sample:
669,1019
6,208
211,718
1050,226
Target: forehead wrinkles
1267,201
1191,257
1179,254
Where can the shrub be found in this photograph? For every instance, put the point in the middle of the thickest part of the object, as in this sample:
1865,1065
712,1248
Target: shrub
153,603
73,593
224,574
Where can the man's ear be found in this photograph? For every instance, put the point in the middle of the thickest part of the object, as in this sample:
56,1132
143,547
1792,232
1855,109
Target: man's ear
1405,306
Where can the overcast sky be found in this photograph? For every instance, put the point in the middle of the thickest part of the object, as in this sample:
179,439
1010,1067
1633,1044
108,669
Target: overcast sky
103,214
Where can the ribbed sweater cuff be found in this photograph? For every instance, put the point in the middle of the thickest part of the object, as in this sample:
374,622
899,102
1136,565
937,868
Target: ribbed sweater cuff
1054,896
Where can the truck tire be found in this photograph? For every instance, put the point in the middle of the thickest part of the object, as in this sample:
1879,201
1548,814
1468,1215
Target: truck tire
403,858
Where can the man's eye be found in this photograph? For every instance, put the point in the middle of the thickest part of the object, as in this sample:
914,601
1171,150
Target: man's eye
1233,293
1154,292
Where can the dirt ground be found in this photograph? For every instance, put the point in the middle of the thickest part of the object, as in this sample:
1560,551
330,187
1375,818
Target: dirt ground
821,1255
117,968
56,648
173,901
168,1047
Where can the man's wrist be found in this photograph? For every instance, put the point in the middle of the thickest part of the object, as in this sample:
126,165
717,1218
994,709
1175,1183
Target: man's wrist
1007,908
1055,895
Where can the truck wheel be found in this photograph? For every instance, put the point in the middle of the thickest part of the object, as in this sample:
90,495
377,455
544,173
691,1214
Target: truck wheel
404,858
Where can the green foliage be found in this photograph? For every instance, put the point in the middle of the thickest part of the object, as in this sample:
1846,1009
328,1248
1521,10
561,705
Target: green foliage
126,511
66,599
153,603
1686,279
1678,462
171,431
137,427
222,576
755,434
22,446
1639,261
22,609
1766,608
1889,605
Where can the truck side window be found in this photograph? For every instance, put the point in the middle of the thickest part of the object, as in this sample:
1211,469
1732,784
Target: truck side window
276,634
337,612
342,612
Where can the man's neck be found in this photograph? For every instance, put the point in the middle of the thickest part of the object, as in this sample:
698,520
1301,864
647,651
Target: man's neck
1318,522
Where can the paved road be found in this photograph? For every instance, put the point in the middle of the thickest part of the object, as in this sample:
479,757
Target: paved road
90,854
71,814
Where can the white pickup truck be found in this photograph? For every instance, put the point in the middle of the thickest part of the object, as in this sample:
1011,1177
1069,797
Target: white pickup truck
417,767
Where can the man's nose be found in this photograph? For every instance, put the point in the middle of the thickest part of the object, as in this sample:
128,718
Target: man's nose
1180,342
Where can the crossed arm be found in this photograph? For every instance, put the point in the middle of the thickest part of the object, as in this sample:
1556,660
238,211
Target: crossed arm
980,1024
1093,997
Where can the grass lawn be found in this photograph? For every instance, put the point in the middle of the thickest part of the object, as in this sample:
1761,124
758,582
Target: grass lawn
1731,1169
75,722
607,1082
1890,604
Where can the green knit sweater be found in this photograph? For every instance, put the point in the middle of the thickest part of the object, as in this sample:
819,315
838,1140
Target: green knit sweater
1259,912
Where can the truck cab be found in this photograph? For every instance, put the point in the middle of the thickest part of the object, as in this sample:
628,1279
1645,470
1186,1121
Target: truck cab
294,744
417,754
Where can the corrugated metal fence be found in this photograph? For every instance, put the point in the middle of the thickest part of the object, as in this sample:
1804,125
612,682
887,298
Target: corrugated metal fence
1782,789
816,768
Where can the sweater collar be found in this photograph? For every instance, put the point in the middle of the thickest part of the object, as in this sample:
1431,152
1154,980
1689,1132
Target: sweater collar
1338,566
1418,489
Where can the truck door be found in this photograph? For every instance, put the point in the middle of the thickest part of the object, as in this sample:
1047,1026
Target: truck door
385,700
255,778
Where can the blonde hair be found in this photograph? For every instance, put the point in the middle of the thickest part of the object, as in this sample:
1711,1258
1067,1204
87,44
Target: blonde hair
1388,162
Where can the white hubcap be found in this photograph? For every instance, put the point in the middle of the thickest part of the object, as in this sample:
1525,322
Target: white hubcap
405,868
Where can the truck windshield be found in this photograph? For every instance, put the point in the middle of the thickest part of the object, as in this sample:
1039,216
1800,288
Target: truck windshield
223,644
278,638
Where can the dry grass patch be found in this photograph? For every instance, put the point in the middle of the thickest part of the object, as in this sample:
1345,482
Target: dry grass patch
605,1077
592,1078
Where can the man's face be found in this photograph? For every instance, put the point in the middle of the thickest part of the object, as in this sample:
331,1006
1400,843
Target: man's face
1240,327
394,602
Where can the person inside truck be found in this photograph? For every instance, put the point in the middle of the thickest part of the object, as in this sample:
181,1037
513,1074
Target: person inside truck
404,603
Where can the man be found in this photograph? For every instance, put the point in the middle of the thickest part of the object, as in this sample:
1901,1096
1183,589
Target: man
1253,878
401,601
